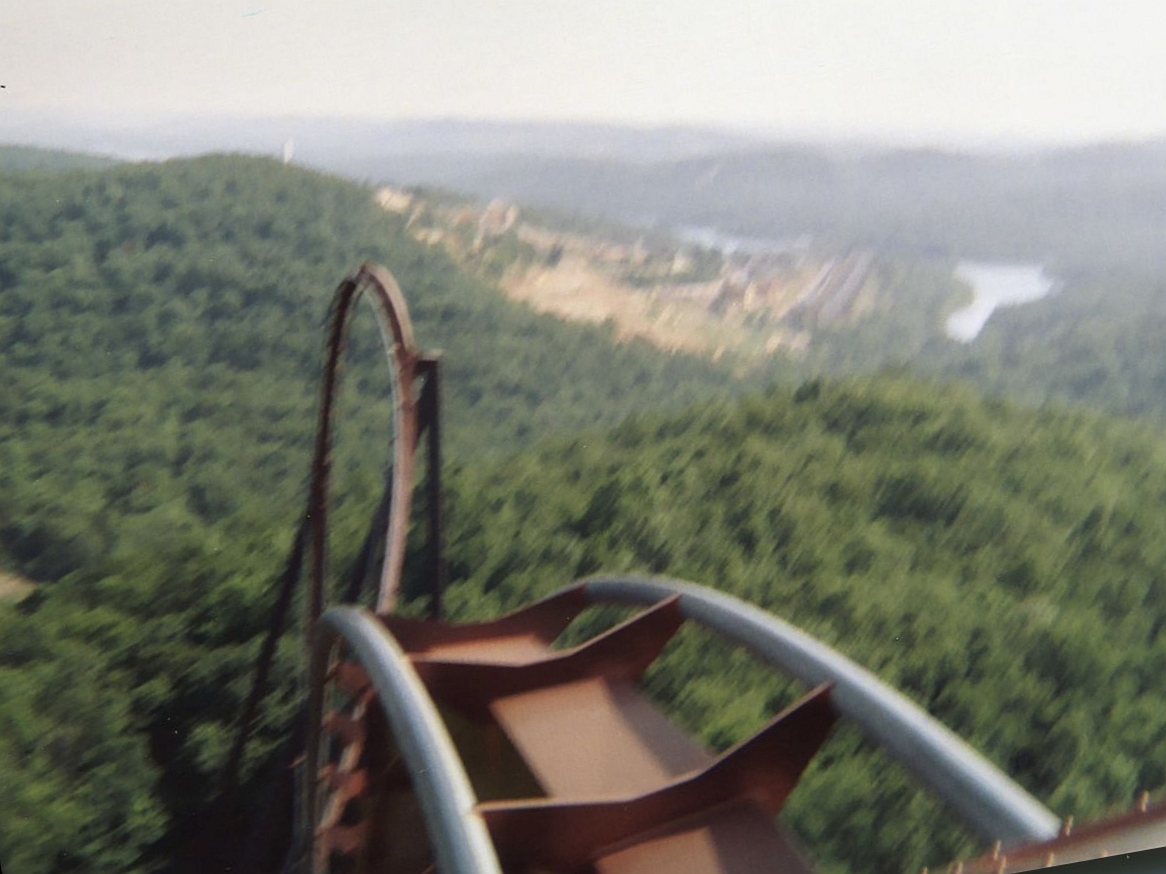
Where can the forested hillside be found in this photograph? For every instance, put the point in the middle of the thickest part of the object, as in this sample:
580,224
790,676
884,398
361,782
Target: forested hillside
1005,568
1101,341
160,340
160,333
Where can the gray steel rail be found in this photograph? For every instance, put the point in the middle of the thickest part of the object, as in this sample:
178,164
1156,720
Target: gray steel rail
989,802
459,837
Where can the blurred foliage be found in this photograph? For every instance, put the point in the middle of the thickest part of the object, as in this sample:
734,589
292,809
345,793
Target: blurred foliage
1004,568
160,343
160,346
1099,340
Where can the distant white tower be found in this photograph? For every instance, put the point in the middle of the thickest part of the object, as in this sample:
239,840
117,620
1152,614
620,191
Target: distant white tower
289,151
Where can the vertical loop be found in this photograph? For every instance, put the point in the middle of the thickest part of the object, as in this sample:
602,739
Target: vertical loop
396,329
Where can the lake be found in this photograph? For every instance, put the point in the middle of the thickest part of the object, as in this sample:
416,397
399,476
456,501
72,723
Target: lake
995,285
731,244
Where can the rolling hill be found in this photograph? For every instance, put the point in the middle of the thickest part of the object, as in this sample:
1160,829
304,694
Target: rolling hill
160,339
1004,567
159,335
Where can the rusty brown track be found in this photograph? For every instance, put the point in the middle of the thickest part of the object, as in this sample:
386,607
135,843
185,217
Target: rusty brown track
596,777
406,364
1143,828
396,327
574,769
557,761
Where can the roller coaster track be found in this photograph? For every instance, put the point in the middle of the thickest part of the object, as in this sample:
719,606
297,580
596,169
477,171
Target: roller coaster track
483,748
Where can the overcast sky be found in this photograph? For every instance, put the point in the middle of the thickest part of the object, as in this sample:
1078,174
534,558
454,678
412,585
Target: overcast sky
906,70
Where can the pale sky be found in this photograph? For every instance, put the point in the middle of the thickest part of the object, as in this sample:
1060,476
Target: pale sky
907,70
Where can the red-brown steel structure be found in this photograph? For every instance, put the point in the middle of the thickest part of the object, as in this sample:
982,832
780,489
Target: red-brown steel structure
478,749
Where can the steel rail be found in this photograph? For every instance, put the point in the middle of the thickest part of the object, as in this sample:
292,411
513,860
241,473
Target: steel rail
458,835
988,801
400,347
396,329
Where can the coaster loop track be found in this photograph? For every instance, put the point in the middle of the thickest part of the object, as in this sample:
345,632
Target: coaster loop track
379,287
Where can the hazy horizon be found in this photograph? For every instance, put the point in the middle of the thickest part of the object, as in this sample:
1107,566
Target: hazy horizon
1048,73
135,135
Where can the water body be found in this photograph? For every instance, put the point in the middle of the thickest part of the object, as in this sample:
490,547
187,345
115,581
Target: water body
995,285
731,244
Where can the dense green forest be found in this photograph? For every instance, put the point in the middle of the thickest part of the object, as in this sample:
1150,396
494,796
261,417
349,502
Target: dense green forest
1005,568
154,318
1100,341
160,340
160,334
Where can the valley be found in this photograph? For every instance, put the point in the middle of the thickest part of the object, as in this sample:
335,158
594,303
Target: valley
679,296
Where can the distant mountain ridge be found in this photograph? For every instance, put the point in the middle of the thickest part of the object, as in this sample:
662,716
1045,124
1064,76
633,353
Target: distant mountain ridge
1094,217
345,144
1098,206
16,159
1101,205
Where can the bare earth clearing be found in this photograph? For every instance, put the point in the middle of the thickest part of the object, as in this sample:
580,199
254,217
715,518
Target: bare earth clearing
576,290
677,296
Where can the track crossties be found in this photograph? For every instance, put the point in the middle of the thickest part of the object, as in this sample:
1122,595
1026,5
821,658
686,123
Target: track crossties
600,780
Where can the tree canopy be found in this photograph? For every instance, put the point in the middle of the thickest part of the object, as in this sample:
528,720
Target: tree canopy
160,344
